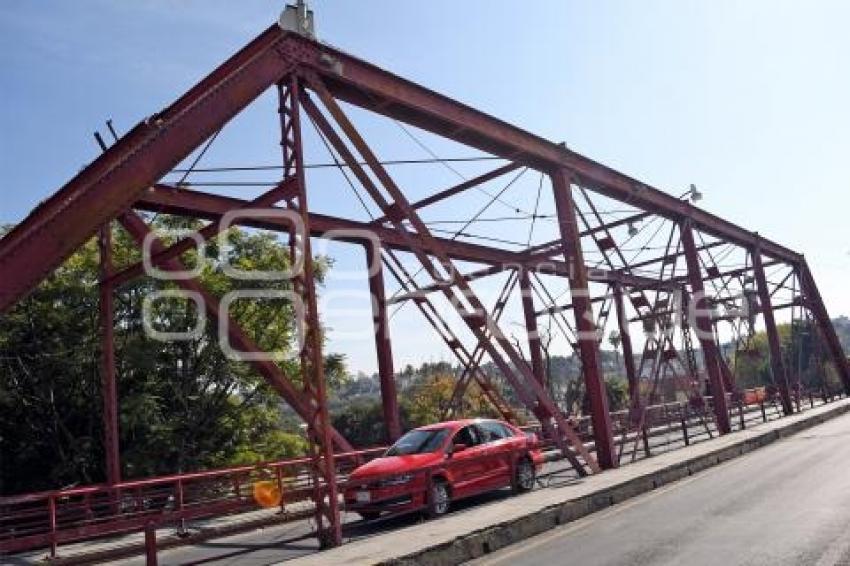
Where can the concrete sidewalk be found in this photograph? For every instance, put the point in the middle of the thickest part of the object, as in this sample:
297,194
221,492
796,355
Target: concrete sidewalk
456,538
128,545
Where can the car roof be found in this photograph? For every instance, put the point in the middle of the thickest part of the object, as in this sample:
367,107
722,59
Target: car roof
456,424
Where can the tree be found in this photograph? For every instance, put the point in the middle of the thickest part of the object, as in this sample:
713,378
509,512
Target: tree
361,419
617,390
361,422
615,339
182,405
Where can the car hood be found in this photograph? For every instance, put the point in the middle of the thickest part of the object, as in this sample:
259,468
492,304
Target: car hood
395,465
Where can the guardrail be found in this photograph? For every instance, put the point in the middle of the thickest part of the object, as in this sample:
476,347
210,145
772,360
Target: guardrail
692,421
50,518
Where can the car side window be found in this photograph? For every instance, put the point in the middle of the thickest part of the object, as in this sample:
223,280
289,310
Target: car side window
508,431
492,431
467,435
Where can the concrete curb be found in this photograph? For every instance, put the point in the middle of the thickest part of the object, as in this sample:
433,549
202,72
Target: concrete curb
478,543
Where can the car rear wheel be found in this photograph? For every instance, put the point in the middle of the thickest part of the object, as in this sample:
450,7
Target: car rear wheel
524,476
440,498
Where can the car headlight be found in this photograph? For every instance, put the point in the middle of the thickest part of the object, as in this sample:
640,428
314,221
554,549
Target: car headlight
397,480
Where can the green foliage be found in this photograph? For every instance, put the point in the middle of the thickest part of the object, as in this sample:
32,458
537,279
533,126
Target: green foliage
182,405
804,356
429,398
361,421
617,389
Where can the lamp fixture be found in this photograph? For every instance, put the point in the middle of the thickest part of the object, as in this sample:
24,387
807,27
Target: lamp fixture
695,194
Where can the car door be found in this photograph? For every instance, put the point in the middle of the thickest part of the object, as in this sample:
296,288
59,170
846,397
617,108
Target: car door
467,467
497,445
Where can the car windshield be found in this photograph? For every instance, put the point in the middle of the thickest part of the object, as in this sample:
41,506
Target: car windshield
418,442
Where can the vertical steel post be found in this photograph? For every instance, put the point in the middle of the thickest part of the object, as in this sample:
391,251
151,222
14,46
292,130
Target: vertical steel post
725,372
780,378
107,358
705,333
585,323
626,343
534,346
383,345
51,518
150,544
326,496
818,309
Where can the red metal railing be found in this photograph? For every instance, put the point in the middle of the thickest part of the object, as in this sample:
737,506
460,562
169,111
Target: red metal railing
50,518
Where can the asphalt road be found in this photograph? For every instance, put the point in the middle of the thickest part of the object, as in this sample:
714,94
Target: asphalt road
287,542
788,503
290,541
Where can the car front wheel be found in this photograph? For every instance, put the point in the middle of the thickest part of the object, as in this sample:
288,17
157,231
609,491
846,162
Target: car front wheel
440,498
524,476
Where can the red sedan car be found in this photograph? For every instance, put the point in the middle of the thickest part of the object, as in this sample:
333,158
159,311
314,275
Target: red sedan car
431,466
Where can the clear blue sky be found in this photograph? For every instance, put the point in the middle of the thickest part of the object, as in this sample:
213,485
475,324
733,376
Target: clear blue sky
749,100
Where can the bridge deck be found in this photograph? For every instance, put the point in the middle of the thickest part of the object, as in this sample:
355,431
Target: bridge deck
461,536
403,536
784,505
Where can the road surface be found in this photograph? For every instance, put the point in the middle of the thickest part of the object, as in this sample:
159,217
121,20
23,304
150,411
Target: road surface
788,503
286,542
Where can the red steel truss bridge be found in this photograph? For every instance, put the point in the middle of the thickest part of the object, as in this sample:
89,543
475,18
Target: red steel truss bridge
628,256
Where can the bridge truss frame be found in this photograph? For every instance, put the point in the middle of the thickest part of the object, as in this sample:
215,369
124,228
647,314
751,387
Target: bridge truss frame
311,80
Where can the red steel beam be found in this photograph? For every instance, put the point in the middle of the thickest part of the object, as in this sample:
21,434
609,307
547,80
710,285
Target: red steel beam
165,199
381,327
720,318
451,191
730,272
626,343
434,287
552,247
534,347
240,340
112,182
780,378
468,361
472,368
815,304
282,191
107,358
462,298
674,255
594,383
325,494
370,87
705,334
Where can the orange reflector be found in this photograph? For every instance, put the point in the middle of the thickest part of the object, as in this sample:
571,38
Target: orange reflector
266,494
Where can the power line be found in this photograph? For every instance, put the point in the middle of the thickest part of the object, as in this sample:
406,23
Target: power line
225,169
494,219
462,234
